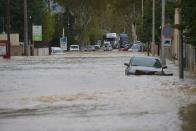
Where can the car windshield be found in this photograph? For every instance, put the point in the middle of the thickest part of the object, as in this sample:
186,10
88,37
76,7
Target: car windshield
147,62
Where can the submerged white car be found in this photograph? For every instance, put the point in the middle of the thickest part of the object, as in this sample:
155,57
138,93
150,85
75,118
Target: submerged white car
144,65
57,51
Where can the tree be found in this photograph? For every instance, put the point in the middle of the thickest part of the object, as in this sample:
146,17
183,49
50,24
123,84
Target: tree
130,12
189,20
116,16
2,15
37,10
48,26
86,13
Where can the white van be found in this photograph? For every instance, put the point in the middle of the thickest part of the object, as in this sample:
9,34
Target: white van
74,48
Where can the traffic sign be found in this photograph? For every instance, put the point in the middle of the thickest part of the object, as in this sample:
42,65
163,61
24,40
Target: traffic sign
63,43
167,42
37,33
167,31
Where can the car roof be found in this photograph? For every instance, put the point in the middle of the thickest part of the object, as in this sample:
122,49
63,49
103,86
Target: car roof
148,57
55,48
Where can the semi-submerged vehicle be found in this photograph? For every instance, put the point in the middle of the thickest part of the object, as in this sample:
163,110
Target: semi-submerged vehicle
145,65
57,51
112,38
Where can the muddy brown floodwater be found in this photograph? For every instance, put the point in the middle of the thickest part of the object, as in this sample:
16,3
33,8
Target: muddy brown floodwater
89,92
188,116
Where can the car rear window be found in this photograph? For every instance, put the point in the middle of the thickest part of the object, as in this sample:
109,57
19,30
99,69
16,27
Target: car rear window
74,46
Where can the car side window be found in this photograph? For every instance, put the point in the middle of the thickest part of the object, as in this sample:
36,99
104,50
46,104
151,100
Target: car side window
157,63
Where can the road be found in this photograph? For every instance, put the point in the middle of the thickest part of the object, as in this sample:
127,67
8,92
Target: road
89,92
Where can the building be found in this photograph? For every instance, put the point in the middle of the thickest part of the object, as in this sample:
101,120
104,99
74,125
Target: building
16,46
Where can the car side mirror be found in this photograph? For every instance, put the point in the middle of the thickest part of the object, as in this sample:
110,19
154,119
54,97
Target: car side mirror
126,64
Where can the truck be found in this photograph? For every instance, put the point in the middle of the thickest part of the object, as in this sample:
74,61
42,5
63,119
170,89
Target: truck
123,40
112,38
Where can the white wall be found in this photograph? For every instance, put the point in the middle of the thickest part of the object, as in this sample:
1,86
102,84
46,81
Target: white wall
43,51
14,38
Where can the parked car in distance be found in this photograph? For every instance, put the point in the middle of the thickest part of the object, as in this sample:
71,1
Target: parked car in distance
57,51
91,48
97,46
125,48
107,46
74,48
83,49
144,65
136,47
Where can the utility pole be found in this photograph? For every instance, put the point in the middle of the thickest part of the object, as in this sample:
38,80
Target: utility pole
142,15
68,27
8,50
163,60
148,51
26,45
153,24
181,62
30,36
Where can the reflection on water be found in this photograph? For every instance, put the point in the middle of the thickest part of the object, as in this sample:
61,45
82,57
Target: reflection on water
188,115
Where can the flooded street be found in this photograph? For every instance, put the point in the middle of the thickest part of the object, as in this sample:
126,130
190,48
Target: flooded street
90,92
